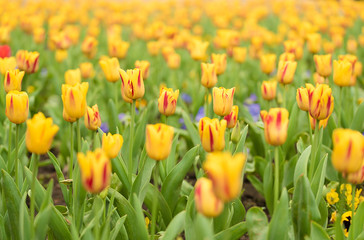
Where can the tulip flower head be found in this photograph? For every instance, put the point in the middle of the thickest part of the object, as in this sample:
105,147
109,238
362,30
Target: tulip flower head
286,71
275,125
17,106
232,117
74,99
323,64
40,133
294,47
61,55
343,71
225,172
89,46
87,70
212,134
209,76
321,102
223,100
220,62
118,48
7,64
13,79
239,54
303,96
110,67
268,63
269,89
111,144
205,199
144,68
198,49
314,42
72,76
92,118
158,141
167,101
174,61
132,83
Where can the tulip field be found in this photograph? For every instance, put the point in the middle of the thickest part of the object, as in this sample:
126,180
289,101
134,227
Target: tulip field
181,119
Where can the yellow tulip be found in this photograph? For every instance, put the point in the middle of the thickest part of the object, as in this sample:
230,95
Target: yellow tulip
269,89
351,45
17,106
144,68
167,101
153,48
158,140
293,47
314,42
358,69
322,123
329,47
87,70
321,102
232,117
268,63
356,177
343,71
72,76
132,83
67,118
110,67
286,71
225,172
40,133
111,144
7,64
39,35
323,64
220,62
198,49
92,118
205,199
74,99
239,54
89,46
31,62
95,170
118,48
174,61
212,134
287,57
223,100
61,55
209,76
275,125
13,79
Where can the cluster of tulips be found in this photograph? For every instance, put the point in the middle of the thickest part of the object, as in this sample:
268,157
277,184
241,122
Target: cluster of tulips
183,104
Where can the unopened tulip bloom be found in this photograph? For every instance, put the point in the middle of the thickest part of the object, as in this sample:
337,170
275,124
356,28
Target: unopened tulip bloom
294,47
225,173
132,83
17,106
92,118
268,63
232,117
223,100
303,96
239,54
40,133
356,177
358,69
87,70
174,61
198,49
13,79
72,76
111,144
269,89
205,199
351,46
39,35
212,134
314,42
343,71
209,76
318,79
110,67
323,64
167,101
153,48
286,71
89,46
7,64
287,57
144,67
329,47
321,102
158,141
5,51
74,99
32,62
118,48
95,170
67,118
61,55
348,151
275,125
220,62
322,123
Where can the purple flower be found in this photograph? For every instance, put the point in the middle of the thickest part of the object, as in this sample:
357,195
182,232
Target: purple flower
251,99
186,98
121,116
182,122
104,127
200,114
254,110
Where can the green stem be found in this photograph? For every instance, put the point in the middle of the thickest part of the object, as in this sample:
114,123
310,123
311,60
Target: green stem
353,204
16,154
32,196
340,108
276,177
155,201
284,96
116,98
309,126
130,163
207,102
71,152
78,136
9,147
313,151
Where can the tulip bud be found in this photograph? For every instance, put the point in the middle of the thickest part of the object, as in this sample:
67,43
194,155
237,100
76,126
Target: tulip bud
40,133
343,71
174,61
329,47
356,177
167,51
17,106
323,64
95,170
198,49
303,96
314,42
232,117
209,76
293,47
5,51
158,141
132,83
7,64
74,99
205,199
318,79
358,69
239,54
144,68
87,70
92,118
167,101
32,62
321,102
275,125
110,67
118,48
212,134
39,35
13,79
322,123
89,46
220,62
111,144
287,57
61,55
223,100
269,89
286,71
348,151
351,46
72,76
225,173
153,48
268,63
67,118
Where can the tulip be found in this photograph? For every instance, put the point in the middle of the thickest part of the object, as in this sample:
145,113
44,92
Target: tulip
144,67
303,96
267,63
351,58
153,48
287,57
167,51
209,76
351,45
329,47
61,55
198,49
322,123
239,54
72,76
5,51
220,62
74,99
275,125
89,46
7,64
5,34
286,71
318,79
348,151
314,42
205,199
118,48
343,71
167,101
223,100
212,134
111,144
13,79
358,69
269,89
321,102
39,35
40,133
232,117
323,64
31,62
158,141
87,70
174,61
67,118
17,106
132,83
92,118
95,170
293,47
110,67
225,173
356,177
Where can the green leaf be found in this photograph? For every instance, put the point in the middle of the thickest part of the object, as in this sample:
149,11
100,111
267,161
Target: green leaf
319,179
175,227
279,225
119,167
358,222
171,160
268,187
41,222
119,224
358,123
258,185
241,143
191,128
301,167
151,193
257,224
143,176
24,218
317,232
238,212
233,232
60,175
